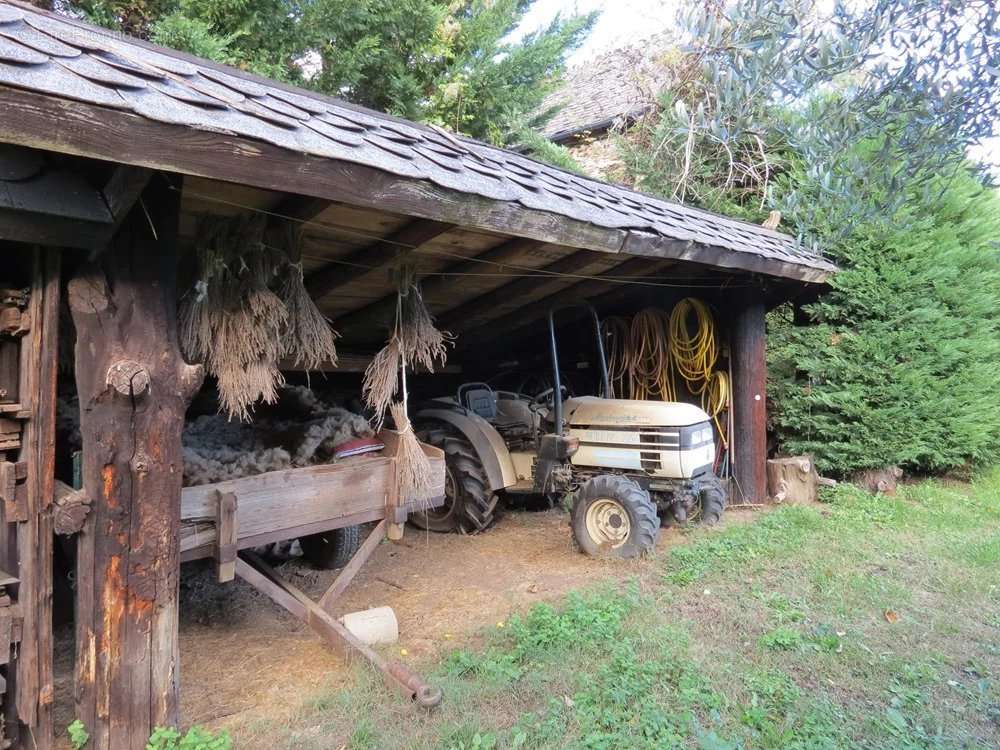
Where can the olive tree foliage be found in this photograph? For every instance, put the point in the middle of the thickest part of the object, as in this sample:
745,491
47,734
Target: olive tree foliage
853,121
771,79
449,62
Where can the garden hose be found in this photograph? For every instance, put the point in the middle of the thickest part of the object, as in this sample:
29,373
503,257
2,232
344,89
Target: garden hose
695,356
649,357
645,353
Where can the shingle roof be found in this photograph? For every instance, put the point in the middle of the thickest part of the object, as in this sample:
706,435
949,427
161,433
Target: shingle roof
60,57
617,86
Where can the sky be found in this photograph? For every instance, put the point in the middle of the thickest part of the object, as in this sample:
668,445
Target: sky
625,22
621,23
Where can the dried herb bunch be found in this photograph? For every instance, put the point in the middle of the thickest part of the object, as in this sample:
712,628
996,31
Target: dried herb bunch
247,311
414,341
413,468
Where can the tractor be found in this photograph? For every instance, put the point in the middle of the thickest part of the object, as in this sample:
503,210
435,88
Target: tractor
624,464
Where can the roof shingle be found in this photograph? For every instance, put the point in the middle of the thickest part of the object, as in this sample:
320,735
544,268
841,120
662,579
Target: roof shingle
60,57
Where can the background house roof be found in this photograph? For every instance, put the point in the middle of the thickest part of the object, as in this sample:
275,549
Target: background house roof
617,86
51,55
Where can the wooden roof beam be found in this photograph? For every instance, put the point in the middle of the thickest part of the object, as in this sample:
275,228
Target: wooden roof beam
343,271
508,325
383,309
470,314
302,209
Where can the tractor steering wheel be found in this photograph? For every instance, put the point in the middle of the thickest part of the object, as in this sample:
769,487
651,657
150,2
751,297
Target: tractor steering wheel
545,397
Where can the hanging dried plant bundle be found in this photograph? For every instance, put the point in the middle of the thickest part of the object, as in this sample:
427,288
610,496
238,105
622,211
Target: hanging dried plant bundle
422,343
414,340
413,468
311,341
235,322
379,384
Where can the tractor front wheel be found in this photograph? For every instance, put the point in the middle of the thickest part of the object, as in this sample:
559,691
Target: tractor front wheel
713,503
614,517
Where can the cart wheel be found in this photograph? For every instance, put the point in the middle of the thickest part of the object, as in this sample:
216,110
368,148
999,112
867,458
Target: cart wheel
331,549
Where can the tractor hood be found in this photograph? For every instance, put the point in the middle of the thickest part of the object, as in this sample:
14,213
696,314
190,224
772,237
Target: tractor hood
620,412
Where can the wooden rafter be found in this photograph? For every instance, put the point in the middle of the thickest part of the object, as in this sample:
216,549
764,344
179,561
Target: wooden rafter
301,209
382,309
360,262
506,325
122,191
472,313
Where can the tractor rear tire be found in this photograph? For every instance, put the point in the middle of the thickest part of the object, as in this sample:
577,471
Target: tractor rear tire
470,506
329,550
614,517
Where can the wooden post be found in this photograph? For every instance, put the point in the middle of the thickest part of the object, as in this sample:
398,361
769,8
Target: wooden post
134,388
749,442
226,537
38,369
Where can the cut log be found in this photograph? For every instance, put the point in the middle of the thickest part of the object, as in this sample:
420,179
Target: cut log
792,479
124,309
883,480
69,508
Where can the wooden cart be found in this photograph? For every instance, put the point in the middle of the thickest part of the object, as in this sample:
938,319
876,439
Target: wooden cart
227,519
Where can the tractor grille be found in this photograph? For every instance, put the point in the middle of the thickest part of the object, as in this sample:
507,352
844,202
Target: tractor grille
650,461
627,437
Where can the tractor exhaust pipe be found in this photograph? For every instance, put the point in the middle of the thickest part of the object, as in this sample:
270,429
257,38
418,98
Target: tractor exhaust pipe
557,390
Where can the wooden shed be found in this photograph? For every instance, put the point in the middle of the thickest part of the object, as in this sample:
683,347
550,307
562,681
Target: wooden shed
113,150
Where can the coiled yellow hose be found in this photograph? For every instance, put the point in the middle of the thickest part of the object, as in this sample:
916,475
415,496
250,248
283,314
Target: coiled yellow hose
695,355
645,354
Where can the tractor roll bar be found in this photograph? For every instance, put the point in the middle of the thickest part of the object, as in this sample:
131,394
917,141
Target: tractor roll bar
557,405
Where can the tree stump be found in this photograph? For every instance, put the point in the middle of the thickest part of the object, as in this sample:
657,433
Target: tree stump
134,389
792,479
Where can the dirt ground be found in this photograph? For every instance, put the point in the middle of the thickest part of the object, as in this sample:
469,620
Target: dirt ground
242,653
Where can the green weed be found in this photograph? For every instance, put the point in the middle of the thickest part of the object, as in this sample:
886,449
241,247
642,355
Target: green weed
196,738
781,639
78,735
776,533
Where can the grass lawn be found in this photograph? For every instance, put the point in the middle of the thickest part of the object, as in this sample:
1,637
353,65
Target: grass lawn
864,622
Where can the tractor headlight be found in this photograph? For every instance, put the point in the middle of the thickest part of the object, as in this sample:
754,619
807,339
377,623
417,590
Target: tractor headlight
696,436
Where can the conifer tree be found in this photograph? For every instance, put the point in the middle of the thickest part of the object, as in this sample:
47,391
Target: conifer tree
452,63
900,362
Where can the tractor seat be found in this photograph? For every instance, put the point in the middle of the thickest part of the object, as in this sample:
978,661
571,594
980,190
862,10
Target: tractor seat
482,401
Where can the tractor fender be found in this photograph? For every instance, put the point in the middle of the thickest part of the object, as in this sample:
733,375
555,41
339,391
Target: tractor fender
490,447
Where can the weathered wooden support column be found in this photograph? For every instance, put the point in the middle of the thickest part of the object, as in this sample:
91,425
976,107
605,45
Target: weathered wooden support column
134,389
749,352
